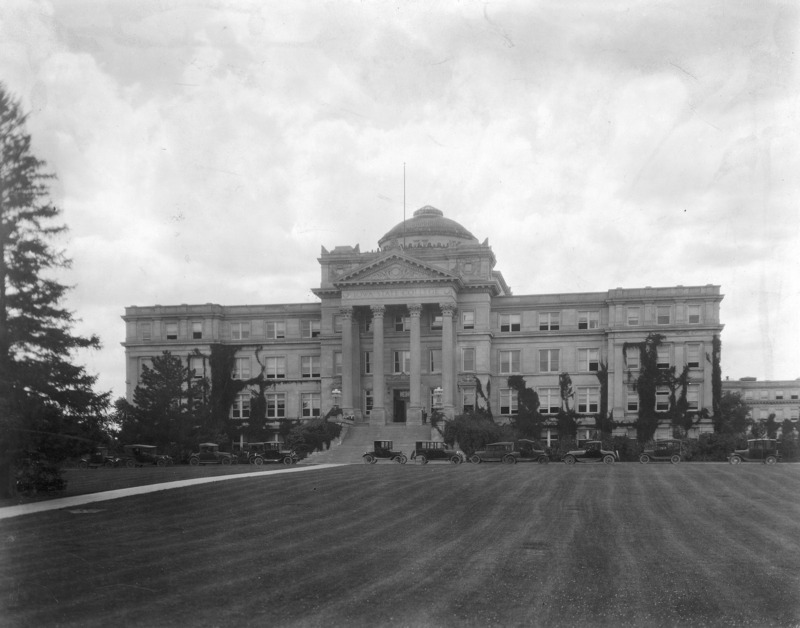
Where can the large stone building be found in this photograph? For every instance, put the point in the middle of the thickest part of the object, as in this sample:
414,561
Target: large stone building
768,397
428,310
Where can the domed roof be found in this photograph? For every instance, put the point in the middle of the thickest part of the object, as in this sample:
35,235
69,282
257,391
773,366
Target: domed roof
427,225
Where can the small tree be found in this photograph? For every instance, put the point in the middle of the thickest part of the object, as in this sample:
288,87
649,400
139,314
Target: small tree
528,422
732,417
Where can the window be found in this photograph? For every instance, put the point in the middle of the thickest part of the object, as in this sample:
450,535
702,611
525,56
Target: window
663,314
309,329
402,323
588,320
693,398
588,399
549,400
368,402
436,322
337,363
662,358
794,414
763,394
148,362
275,367
693,314
367,362
634,316
468,398
762,415
436,361
468,359
145,331
402,361
662,399
367,325
468,319
509,362
794,394
508,401
240,331
241,407
548,360
276,405
276,329
632,358
172,331
337,324
693,356
778,394
589,360
748,394
510,322
632,398
241,368
309,366
311,404
549,321
197,330
197,366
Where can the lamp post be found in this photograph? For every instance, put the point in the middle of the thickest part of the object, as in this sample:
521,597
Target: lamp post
336,396
437,398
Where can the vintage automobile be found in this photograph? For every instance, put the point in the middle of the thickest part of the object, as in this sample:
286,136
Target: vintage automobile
98,458
758,450
427,450
522,450
592,452
382,450
259,453
139,455
668,450
209,453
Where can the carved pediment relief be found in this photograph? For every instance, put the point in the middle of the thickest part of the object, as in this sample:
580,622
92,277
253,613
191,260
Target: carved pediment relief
395,269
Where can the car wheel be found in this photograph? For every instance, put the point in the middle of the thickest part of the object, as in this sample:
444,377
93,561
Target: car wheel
570,460
258,461
235,460
83,464
543,460
161,462
509,460
608,459
475,459
770,460
735,460
644,458
675,459
455,460
422,459
368,459
194,461
402,459
108,464
287,460
130,463
225,460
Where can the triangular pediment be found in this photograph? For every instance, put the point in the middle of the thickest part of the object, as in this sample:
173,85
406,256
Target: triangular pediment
395,268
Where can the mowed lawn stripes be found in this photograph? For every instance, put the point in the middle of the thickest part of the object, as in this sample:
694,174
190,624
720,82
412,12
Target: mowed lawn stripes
439,545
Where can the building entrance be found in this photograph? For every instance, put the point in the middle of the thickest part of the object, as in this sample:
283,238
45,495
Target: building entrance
400,404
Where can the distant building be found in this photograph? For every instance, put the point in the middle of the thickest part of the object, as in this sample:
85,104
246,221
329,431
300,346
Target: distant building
778,397
428,310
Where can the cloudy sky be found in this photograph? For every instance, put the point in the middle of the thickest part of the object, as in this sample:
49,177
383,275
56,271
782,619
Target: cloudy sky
206,150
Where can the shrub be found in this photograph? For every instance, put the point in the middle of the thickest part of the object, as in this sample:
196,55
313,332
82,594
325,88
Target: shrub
474,430
38,475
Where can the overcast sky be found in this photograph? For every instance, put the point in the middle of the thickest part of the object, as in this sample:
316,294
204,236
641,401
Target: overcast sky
206,150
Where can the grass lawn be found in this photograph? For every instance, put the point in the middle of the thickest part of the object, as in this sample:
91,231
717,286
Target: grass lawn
439,545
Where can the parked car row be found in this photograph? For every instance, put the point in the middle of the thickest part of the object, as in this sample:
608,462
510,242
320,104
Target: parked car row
523,450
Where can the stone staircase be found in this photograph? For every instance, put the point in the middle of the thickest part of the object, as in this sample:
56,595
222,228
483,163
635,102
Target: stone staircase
358,438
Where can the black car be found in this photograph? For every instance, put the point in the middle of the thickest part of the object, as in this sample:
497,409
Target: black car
259,453
427,450
758,450
592,452
669,450
522,450
209,453
139,455
98,458
382,450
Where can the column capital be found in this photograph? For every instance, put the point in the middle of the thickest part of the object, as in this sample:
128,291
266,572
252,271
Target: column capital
448,309
346,312
377,310
415,309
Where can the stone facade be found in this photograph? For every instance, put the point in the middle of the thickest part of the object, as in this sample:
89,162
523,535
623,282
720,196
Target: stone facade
428,310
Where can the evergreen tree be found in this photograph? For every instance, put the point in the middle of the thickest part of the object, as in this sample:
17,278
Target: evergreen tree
36,337
732,415
528,422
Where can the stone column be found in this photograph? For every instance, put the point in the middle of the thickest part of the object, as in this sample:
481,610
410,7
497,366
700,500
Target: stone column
448,360
414,415
347,360
378,414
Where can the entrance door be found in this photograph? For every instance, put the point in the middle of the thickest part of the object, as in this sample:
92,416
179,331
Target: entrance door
400,401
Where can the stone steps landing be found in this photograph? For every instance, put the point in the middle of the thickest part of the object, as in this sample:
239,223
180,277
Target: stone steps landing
356,439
